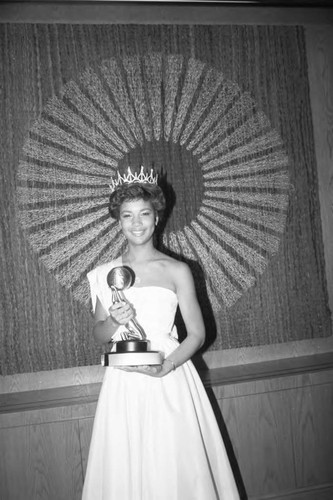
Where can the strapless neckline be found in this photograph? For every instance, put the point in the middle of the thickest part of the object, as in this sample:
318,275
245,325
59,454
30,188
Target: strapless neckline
152,286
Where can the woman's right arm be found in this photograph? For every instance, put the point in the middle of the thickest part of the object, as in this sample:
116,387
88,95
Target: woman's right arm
107,323
105,326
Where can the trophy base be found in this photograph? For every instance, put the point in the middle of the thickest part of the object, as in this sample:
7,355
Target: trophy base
132,358
131,346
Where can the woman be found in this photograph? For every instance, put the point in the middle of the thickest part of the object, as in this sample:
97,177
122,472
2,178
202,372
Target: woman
155,436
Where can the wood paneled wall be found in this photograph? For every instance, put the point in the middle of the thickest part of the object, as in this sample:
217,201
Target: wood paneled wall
278,431
281,431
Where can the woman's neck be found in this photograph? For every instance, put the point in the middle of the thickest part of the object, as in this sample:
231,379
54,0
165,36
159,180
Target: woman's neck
140,254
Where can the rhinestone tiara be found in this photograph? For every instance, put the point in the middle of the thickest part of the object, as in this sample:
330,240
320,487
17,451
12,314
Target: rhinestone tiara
131,178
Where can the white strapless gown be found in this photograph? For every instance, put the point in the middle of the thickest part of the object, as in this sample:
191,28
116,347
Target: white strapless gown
155,438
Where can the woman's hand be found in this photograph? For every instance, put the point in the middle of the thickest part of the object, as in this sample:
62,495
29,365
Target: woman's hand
121,312
157,371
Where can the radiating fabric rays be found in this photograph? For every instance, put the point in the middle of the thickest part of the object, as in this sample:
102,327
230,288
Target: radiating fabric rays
262,239
257,145
242,135
67,248
32,218
179,243
84,134
40,173
103,132
267,200
231,265
117,85
251,256
226,118
29,195
55,157
266,162
73,275
78,129
99,97
133,68
46,130
48,236
173,71
279,180
191,83
153,77
102,250
258,216
68,275
212,81
170,241
217,275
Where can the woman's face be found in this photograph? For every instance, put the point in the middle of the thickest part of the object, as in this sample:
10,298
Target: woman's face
137,220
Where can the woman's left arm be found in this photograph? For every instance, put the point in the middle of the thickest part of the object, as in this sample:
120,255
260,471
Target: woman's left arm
191,314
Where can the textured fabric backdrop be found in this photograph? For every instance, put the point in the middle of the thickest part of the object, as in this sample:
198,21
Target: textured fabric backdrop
223,113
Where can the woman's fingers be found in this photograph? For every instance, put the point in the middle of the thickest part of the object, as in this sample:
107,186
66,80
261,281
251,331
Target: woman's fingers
121,312
153,371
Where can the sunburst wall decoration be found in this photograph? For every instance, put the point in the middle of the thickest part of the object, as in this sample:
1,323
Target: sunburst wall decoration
226,162
215,110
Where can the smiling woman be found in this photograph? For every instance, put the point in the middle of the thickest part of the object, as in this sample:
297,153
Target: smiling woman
153,407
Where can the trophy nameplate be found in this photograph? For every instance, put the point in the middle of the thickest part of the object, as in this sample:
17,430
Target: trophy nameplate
133,348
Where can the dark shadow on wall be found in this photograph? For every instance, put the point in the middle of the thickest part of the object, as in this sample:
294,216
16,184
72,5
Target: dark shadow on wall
196,269
228,444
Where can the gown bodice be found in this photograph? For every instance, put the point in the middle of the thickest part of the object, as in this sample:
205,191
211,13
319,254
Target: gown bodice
155,306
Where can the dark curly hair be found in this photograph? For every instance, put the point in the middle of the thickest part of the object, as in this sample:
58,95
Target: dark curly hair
137,191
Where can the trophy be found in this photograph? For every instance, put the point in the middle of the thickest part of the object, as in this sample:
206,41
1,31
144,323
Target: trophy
133,346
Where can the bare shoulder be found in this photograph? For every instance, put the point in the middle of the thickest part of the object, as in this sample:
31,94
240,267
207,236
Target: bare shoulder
178,270
171,263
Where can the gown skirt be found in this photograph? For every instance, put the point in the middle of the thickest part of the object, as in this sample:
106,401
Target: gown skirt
156,438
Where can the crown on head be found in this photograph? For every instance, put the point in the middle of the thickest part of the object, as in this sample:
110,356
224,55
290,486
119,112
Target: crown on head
131,178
